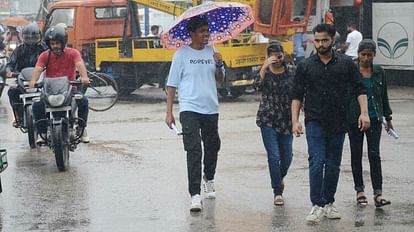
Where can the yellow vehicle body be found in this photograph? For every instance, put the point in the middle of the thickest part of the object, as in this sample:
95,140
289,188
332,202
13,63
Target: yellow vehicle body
236,53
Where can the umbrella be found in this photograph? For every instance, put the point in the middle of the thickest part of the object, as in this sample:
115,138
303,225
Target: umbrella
15,21
225,20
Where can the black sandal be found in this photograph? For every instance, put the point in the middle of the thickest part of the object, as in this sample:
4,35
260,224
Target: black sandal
380,203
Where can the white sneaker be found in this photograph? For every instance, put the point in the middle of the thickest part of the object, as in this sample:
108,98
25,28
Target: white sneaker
332,212
85,138
196,204
40,139
316,214
209,190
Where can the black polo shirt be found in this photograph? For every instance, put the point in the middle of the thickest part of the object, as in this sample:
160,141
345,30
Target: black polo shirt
326,89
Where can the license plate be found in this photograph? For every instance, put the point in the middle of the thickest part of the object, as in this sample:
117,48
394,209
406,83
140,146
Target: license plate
242,82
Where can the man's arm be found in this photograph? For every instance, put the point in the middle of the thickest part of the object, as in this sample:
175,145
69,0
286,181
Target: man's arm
37,71
296,125
360,91
169,118
363,120
80,66
11,65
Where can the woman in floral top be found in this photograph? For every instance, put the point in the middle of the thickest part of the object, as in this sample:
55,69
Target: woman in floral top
274,116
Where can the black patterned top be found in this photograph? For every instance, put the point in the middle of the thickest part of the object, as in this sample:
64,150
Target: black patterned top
275,105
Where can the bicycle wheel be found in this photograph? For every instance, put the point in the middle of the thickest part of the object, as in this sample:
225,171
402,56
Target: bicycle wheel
102,92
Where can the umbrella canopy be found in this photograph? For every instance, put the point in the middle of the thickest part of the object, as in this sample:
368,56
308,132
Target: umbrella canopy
15,21
225,20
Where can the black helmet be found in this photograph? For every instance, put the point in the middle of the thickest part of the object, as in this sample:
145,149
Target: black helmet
31,34
56,33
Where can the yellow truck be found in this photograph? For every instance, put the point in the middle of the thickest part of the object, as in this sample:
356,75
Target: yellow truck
138,61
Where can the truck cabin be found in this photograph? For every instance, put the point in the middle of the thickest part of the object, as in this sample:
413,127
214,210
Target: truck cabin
87,20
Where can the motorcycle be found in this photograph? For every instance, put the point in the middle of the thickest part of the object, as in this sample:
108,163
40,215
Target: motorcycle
28,124
63,132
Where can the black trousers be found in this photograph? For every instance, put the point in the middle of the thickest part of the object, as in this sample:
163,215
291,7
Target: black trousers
356,139
199,128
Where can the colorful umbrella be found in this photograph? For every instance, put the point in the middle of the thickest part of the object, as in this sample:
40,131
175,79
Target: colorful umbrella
225,20
15,21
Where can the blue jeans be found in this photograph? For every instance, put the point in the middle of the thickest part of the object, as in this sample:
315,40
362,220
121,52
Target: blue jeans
325,154
279,155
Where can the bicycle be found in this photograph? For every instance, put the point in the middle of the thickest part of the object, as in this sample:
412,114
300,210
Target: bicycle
102,92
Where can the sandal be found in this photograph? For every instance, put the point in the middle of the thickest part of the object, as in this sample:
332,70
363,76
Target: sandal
278,200
381,202
362,200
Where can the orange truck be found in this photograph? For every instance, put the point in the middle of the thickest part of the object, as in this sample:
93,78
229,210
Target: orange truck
108,35
88,20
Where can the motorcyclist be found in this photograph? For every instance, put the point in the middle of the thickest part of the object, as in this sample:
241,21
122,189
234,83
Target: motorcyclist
25,55
57,62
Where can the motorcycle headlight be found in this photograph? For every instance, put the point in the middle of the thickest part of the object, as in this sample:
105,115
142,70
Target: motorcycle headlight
13,46
56,100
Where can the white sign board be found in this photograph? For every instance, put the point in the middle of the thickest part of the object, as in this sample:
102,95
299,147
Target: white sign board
393,30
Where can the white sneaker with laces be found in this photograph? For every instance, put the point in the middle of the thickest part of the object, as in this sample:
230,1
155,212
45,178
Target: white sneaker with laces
332,212
85,138
316,214
209,190
196,204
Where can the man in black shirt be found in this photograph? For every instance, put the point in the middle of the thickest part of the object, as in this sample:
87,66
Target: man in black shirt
25,55
325,82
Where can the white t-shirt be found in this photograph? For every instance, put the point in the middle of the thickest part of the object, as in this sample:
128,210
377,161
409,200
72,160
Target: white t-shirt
192,72
353,38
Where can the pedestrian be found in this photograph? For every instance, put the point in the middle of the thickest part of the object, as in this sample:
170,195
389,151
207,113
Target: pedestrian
375,81
354,37
13,36
274,116
60,61
154,31
299,43
325,82
194,72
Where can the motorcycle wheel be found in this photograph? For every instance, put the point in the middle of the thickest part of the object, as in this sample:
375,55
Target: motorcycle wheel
60,146
31,128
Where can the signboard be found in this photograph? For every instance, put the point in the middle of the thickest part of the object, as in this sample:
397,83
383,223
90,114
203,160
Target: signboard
393,30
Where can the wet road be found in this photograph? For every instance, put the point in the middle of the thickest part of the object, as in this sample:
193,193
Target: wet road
132,177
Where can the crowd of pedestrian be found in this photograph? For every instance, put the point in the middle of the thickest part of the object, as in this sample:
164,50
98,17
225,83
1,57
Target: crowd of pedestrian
337,94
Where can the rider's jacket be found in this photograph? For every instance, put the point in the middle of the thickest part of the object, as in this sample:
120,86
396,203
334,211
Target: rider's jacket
25,56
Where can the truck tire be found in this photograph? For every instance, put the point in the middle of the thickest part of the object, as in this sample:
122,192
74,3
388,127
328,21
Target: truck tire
237,91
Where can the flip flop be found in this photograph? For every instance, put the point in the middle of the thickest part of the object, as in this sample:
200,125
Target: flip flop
362,200
381,202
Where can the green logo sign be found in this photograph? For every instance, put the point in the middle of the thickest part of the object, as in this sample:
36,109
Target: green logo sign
392,40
